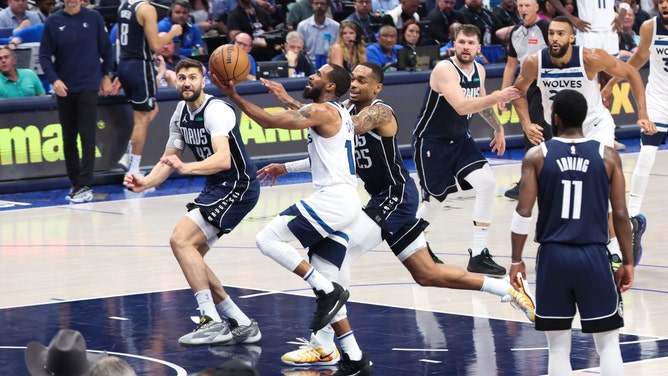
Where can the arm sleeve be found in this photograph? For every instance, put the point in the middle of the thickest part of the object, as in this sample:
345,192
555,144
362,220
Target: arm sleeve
176,140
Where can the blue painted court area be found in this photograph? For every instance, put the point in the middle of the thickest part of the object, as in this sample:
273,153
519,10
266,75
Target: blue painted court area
144,329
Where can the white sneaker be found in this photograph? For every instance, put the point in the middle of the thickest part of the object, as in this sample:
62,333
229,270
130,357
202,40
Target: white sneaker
80,194
311,354
523,299
124,162
208,332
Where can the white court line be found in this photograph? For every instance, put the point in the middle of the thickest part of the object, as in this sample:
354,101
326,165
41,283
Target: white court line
9,204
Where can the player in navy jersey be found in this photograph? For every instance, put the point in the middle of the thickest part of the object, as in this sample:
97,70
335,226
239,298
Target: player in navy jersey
390,213
207,126
444,151
574,178
137,40
324,220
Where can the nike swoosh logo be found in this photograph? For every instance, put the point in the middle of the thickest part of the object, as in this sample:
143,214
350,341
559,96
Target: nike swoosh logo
597,123
61,28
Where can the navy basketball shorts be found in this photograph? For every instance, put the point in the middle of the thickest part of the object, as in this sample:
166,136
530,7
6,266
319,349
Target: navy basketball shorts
138,80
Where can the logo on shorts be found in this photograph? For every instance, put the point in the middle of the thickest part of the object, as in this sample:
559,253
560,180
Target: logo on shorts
620,309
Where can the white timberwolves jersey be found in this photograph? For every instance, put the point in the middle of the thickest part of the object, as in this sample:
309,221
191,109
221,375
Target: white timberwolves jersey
657,82
332,159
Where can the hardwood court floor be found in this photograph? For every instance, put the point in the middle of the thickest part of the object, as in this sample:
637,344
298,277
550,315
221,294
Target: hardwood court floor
105,268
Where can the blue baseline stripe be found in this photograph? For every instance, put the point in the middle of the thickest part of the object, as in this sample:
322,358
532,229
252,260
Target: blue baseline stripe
317,218
561,75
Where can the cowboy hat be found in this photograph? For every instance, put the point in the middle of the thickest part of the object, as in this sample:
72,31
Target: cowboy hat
65,356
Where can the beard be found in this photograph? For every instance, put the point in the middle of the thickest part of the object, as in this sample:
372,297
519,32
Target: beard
561,52
469,59
311,93
196,93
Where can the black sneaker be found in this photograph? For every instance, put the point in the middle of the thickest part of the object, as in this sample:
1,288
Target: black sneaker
433,256
328,306
483,264
80,194
639,223
514,192
362,367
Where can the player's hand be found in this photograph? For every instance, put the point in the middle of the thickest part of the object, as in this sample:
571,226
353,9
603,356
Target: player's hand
134,182
534,133
510,93
498,143
227,87
648,127
176,163
271,171
277,90
512,273
579,23
624,277
502,106
106,86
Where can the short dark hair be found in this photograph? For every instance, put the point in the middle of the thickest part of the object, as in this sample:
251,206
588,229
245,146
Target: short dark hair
189,63
571,107
469,30
565,20
376,71
341,78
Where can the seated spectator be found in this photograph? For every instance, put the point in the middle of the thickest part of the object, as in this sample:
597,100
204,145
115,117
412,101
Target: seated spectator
16,16
407,10
441,17
65,355
111,366
165,64
44,8
627,25
380,7
384,53
201,15
362,16
272,9
245,42
220,10
484,19
298,63
191,39
410,35
315,29
252,20
17,83
349,49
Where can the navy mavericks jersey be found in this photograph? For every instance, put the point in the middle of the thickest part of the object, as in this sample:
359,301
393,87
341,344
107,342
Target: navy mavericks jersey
378,161
438,119
573,193
131,39
198,139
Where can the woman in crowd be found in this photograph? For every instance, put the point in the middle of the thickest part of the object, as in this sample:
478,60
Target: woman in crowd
349,49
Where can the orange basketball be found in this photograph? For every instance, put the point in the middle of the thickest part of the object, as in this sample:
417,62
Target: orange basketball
229,62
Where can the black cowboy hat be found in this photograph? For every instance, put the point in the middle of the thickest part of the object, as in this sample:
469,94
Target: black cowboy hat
65,356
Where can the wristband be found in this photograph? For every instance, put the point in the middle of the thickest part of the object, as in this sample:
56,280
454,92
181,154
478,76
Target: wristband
517,263
520,225
302,165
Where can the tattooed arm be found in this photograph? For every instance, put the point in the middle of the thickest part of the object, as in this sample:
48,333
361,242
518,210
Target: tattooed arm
378,117
498,143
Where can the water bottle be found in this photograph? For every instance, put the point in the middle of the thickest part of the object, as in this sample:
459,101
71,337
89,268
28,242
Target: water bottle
487,39
196,50
328,43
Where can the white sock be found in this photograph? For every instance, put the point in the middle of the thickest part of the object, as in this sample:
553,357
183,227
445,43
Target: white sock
325,339
498,287
206,306
638,187
128,150
318,282
230,310
135,160
480,234
613,247
349,346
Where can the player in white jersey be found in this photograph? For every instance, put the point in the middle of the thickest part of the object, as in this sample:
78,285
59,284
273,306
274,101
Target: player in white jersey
653,46
564,66
597,23
323,221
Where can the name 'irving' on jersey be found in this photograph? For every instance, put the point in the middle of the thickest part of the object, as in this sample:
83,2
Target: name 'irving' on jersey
572,164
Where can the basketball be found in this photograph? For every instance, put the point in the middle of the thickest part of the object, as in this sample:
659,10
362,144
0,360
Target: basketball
230,63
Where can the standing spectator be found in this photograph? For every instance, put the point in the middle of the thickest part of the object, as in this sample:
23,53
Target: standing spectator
441,17
572,234
407,10
362,17
16,83
298,12
254,21
44,8
484,20
73,43
444,151
384,53
349,49
316,28
65,355
16,16
229,194
190,40
245,42
298,63
525,40
380,7
137,40
111,366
